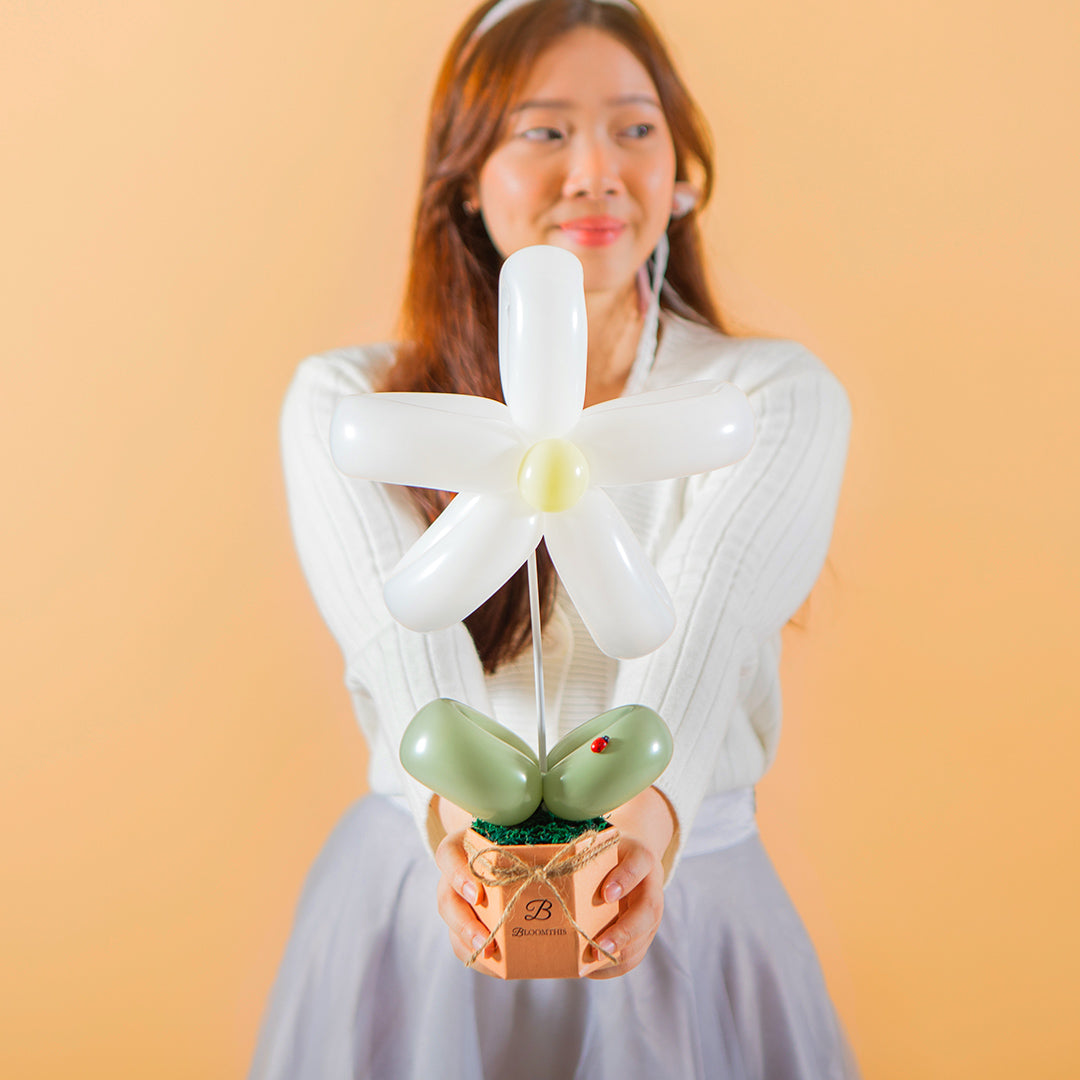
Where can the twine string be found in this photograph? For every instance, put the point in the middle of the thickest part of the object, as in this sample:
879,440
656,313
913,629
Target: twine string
518,872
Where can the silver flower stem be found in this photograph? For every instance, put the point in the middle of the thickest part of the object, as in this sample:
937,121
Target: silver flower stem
538,663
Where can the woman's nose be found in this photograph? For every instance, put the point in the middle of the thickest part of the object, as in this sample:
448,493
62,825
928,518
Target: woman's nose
593,170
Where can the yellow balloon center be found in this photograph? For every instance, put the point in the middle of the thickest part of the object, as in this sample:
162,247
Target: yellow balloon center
553,475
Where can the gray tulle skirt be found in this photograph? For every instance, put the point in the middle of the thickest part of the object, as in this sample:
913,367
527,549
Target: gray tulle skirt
369,986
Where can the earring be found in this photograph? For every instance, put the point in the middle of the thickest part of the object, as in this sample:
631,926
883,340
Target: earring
684,199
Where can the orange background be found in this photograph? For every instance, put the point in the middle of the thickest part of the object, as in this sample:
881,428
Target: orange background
195,195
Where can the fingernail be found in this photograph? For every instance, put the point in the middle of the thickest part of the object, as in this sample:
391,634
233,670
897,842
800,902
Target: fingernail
612,892
607,945
478,940
469,892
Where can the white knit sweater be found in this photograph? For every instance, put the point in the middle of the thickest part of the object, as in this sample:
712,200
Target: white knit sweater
739,550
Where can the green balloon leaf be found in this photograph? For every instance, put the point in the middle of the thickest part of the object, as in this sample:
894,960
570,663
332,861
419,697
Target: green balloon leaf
583,783
473,761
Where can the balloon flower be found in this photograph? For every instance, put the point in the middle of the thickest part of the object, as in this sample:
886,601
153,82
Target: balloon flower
536,468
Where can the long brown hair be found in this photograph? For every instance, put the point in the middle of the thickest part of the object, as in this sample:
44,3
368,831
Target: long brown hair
448,323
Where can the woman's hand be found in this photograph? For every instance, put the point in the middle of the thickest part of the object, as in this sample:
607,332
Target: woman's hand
458,890
646,825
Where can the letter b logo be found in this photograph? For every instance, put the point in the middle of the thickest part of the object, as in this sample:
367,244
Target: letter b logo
537,909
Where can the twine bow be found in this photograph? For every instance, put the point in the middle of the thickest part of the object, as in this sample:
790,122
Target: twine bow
518,872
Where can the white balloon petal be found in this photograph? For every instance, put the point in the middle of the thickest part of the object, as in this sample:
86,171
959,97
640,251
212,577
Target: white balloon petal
467,553
678,431
450,442
609,578
543,342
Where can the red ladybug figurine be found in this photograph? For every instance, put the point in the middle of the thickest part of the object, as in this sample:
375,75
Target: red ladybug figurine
599,745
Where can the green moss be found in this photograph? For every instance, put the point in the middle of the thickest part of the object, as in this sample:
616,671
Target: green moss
542,828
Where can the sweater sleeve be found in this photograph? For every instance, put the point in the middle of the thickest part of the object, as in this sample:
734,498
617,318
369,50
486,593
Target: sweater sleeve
349,535
742,560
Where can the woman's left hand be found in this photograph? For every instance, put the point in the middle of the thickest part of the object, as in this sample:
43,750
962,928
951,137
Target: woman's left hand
646,825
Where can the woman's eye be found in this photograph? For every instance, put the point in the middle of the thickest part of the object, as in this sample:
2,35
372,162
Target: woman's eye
542,134
639,131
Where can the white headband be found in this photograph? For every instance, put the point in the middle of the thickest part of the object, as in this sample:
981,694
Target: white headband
505,7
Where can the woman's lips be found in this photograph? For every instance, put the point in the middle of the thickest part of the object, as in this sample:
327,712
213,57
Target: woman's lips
594,231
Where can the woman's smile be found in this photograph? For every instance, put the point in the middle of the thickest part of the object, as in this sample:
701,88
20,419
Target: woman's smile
596,231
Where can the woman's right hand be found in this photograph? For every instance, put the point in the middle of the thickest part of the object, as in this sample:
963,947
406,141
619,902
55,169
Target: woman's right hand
458,890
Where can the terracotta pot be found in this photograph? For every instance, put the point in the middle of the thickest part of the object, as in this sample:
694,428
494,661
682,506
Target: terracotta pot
537,940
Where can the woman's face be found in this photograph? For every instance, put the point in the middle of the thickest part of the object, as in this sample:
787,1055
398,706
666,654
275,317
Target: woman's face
586,161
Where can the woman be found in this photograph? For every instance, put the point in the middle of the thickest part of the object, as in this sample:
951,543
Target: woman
563,122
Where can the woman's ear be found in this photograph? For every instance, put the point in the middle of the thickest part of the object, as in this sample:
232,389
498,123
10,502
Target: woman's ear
471,203
684,198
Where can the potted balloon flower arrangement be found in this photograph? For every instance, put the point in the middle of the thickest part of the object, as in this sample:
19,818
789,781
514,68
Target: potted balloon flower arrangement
536,468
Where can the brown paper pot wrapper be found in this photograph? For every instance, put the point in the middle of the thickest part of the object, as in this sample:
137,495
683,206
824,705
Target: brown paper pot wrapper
537,940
